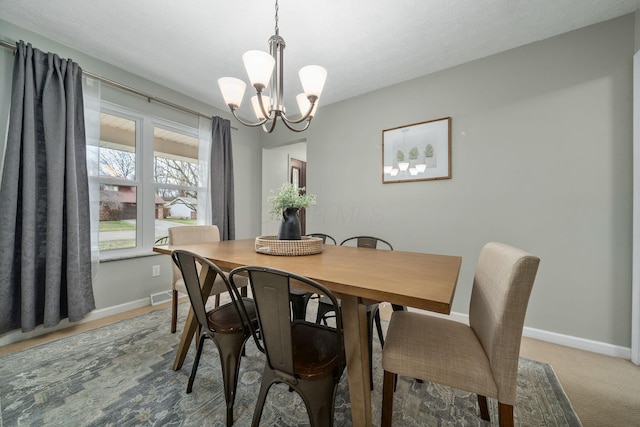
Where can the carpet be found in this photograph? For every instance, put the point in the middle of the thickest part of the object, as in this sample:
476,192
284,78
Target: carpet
120,375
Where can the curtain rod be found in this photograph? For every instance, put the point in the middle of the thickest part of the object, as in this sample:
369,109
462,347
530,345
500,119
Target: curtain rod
113,83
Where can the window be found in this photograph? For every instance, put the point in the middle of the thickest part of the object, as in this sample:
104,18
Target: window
148,176
175,173
118,185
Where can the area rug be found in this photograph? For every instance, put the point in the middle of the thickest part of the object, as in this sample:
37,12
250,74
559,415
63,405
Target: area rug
120,375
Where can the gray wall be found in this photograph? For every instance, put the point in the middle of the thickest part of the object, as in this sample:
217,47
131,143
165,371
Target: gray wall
123,281
542,159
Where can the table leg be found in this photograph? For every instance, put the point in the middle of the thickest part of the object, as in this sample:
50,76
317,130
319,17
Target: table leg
207,278
354,318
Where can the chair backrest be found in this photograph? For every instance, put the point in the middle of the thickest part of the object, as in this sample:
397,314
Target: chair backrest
164,240
501,288
270,289
324,237
189,264
368,242
186,234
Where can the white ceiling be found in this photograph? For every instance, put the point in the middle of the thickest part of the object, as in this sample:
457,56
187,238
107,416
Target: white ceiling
364,44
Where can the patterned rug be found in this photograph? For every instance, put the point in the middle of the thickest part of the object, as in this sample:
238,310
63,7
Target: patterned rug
120,375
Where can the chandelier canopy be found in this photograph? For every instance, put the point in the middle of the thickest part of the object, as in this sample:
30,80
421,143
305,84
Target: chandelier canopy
266,71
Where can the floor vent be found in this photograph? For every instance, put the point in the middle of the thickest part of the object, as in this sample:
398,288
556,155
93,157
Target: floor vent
160,297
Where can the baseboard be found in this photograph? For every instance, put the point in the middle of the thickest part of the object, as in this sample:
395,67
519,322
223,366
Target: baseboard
552,337
556,338
579,343
18,335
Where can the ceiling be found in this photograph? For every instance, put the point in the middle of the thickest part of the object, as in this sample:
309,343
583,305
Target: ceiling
364,44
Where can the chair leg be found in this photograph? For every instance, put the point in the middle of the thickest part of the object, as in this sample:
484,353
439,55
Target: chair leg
217,303
370,316
484,409
268,378
319,399
196,361
370,366
174,310
387,398
506,414
379,327
230,349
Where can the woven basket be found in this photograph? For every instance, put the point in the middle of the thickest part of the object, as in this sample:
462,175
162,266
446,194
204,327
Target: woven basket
270,245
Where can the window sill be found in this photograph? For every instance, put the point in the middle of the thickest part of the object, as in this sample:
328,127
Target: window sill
125,256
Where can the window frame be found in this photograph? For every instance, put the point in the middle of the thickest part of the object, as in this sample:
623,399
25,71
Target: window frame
145,183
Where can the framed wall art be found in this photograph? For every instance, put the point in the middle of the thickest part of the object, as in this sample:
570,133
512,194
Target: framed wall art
417,152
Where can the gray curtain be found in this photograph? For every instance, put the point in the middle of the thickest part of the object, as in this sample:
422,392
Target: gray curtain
221,176
45,255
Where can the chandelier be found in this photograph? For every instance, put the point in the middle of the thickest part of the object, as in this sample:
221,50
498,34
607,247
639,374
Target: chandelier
267,68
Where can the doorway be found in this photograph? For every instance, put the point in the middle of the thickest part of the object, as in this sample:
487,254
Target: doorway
298,177
276,170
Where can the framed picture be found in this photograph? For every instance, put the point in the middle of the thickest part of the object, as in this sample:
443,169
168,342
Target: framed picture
417,152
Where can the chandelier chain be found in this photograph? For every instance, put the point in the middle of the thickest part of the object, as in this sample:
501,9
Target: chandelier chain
277,29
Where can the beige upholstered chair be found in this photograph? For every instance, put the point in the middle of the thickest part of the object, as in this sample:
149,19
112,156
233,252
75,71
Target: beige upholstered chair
481,358
192,234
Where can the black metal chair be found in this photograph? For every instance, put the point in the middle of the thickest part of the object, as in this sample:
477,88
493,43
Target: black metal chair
324,237
373,311
306,356
188,234
300,299
223,325
162,241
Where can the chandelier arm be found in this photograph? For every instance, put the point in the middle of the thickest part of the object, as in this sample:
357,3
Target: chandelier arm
260,123
264,111
287,124
312,100
271,127
300,120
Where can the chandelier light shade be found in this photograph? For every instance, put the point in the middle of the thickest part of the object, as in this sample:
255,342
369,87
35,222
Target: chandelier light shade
233,90
312,78
259,66
266,71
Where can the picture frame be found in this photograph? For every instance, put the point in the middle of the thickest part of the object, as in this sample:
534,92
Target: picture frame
417,152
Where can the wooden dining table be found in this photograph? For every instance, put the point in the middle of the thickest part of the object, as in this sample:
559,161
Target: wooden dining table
359,277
